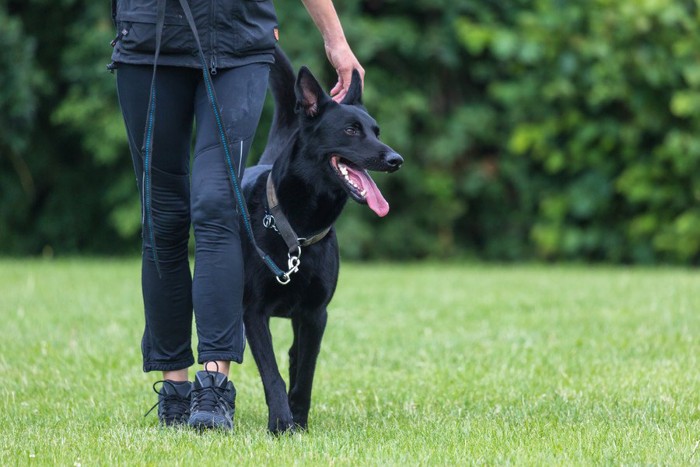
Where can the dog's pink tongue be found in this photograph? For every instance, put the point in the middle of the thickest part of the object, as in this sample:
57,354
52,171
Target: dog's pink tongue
375,200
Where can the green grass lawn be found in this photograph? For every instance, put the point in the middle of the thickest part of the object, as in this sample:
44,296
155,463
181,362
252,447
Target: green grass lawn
421,364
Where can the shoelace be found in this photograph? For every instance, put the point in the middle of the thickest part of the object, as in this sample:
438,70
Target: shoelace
174,405
210,399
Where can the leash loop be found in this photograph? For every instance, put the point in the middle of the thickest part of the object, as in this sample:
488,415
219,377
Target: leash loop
148,137
284,279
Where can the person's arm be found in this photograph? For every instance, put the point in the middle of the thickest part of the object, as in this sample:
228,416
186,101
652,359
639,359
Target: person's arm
340,55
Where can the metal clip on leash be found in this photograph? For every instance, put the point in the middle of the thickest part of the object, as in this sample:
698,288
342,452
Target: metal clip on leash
293,262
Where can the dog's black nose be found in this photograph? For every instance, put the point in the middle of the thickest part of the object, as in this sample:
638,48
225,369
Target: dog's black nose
393,160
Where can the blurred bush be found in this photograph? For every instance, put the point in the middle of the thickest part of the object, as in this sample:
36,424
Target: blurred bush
538,129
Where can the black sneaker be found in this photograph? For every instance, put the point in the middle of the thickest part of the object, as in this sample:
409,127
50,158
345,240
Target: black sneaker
213,401
173,402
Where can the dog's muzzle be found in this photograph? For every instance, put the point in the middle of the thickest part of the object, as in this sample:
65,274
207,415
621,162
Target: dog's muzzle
392,160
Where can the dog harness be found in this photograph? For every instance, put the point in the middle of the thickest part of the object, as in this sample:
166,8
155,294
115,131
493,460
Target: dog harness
276,220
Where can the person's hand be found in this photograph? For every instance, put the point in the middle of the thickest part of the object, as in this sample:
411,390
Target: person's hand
344,61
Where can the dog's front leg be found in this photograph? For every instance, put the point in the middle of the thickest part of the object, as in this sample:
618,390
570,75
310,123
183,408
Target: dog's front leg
258,332
308,332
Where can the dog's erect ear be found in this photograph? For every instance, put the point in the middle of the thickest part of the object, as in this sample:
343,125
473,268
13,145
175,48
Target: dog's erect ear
354,95
310,94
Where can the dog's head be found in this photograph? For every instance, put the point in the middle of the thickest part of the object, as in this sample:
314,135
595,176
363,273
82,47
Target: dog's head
344,139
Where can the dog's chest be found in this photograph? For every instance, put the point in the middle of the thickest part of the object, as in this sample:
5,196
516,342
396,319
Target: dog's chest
306,292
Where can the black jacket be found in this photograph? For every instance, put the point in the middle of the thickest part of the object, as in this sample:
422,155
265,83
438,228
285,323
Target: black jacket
232,32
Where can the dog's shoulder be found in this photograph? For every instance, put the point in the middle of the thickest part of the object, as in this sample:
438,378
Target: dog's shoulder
252,175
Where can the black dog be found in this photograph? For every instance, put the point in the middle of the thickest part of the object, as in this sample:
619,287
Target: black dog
317,156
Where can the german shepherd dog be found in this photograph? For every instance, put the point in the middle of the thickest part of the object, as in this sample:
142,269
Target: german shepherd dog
317,157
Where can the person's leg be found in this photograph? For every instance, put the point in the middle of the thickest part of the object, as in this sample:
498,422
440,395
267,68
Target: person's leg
218,277
166,343
217,289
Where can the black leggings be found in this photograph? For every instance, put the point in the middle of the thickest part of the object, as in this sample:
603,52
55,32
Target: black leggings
201,196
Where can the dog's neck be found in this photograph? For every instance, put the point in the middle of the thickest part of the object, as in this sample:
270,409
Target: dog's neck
309,204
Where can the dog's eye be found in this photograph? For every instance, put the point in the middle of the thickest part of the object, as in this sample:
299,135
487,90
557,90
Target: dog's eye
352,131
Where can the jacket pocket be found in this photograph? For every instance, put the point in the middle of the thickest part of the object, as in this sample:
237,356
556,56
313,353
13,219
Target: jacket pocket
254,26
141,37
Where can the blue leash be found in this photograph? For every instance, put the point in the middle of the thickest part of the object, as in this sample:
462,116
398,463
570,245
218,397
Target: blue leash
282,276
148,139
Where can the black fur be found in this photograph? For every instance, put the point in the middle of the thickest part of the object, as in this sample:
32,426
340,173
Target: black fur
308,129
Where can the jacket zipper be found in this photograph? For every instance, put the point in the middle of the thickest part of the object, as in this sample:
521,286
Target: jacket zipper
119,37
212,36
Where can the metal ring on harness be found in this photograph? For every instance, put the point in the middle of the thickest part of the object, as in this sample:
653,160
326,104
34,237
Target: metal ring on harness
269,222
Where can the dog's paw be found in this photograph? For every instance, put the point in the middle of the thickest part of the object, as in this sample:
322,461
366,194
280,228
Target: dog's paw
279,426
301,423
301,427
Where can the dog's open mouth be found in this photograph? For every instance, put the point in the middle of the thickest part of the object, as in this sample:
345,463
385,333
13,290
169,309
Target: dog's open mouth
360,185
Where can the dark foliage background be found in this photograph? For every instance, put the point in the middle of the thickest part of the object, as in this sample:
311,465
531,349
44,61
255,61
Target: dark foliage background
538,129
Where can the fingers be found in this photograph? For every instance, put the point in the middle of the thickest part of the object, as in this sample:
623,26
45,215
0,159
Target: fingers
344,79
344,62
338,92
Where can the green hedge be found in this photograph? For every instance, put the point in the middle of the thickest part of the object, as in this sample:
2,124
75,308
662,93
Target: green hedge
531,129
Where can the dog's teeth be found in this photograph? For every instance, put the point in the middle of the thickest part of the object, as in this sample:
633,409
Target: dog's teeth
346,175
363,193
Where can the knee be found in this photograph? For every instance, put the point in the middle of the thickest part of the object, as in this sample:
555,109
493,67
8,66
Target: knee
173,224
170,211
214,208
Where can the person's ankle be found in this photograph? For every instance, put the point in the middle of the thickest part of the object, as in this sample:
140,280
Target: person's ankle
218,366
176,376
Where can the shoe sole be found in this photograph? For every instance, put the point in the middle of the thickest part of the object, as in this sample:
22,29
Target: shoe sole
174,423
208,421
